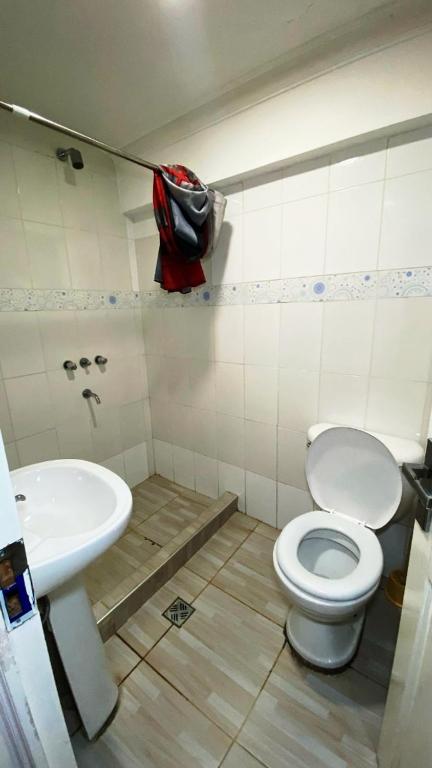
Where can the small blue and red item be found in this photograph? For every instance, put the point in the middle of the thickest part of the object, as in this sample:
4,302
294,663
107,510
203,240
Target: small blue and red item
17,601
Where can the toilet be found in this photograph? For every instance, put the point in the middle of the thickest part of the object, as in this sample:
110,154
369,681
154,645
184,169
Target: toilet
330,561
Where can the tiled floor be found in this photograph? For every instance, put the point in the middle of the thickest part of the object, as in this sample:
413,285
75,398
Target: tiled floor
161,510
224,690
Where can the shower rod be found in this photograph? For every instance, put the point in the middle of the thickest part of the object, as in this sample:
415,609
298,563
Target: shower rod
35,118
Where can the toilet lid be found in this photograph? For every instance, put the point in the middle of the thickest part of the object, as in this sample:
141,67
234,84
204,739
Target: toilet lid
351,473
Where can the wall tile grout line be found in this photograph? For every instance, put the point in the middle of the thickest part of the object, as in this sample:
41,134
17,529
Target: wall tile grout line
375,312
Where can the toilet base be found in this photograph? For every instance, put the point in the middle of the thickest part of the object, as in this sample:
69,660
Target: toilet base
324,646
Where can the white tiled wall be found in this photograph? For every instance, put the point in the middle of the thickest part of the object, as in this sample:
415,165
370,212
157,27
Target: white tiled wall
61,228
241,384
232,389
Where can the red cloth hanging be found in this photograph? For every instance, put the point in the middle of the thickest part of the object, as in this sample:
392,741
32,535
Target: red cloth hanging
178,272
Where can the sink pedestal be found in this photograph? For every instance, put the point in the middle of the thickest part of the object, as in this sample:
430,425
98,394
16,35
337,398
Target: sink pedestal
83,656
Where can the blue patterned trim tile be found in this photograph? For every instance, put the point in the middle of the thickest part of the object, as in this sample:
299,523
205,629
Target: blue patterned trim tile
403,283
342,287
351,286
297,289
263,292
158,298
33,300
230,294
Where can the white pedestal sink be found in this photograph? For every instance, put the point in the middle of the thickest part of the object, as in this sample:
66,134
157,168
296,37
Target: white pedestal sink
72,511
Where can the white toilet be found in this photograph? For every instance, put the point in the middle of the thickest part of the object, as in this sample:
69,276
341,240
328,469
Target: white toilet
330,561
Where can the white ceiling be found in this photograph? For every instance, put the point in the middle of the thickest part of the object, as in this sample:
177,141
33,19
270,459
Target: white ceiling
117,69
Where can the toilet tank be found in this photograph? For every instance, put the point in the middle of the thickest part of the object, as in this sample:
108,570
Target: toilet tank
404,451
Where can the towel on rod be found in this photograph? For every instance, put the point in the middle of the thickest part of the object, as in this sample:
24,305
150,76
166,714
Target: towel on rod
190,193
189,216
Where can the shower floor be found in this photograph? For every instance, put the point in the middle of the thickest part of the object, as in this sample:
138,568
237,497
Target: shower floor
161,510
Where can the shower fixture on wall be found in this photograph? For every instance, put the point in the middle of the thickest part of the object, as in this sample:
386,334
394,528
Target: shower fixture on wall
22,112
74,155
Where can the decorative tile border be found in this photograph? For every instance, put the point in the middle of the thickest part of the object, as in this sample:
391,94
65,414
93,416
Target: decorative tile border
397,283
350,286
28,300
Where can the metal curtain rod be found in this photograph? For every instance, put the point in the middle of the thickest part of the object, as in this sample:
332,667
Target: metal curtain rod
35,118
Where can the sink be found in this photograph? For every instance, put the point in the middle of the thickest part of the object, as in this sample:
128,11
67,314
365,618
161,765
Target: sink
73,511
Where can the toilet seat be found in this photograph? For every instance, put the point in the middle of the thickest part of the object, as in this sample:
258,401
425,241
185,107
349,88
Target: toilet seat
360,581
352,473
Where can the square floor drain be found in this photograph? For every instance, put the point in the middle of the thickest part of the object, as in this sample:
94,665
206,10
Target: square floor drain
178,612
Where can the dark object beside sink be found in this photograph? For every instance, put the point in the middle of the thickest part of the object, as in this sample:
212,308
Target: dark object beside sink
419,477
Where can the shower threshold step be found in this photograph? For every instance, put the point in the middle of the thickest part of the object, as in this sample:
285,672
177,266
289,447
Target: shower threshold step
167,560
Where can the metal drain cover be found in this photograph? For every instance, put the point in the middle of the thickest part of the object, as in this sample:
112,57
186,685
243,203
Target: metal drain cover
178,612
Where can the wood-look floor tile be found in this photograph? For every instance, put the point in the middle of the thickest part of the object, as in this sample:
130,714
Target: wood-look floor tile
303,718
99,609
155,727
249,575
138,516
134,548
118,563
237,757
116,595
168,521
121,658
211,557
179,490
220,658
150,496
268,531
148,625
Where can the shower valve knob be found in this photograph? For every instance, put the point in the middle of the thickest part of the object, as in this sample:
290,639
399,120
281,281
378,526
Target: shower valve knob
69,365
84,362
101,360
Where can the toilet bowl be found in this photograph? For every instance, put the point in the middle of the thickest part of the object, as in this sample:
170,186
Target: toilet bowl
330,561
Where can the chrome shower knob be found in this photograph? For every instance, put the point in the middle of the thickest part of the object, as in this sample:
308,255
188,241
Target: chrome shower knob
69,365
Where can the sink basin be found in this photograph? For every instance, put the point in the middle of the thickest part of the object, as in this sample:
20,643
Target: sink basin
73,511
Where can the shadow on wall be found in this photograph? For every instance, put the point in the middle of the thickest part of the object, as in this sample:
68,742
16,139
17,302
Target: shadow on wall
218,261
